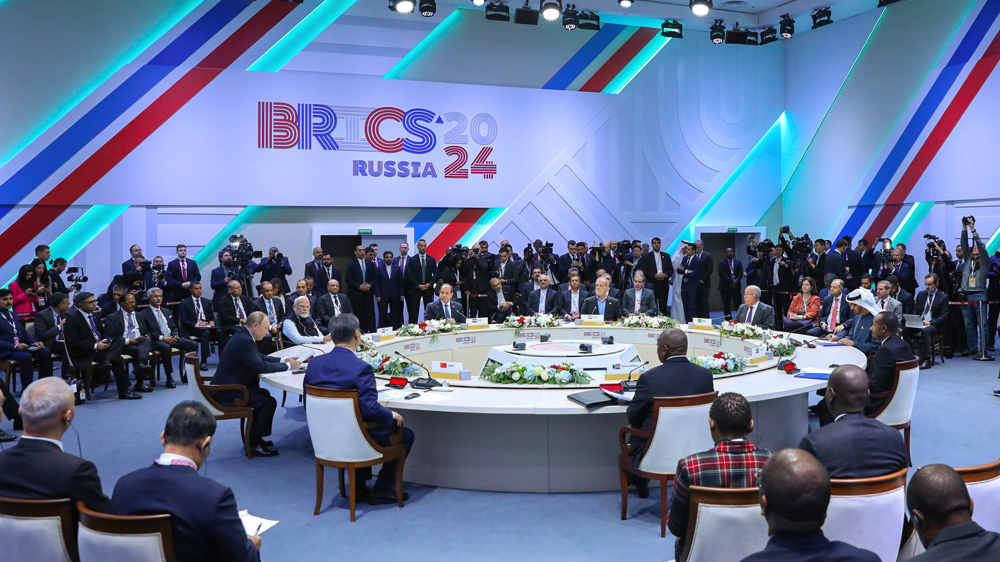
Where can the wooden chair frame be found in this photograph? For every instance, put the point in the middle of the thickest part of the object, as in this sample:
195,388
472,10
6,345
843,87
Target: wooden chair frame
395,451
868,486
980,473
625,458
60,508
131,525
900,367
239,410
714,496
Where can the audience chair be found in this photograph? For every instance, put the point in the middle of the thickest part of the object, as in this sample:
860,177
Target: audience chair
9,367
868,513
937,347
202,391
897,409
37,531
680,428
135,538
340,439
733,513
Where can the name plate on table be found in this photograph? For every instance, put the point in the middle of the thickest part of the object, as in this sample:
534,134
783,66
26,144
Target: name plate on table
384,334
702,324
478,323
760,354
447,370
592,320
620,371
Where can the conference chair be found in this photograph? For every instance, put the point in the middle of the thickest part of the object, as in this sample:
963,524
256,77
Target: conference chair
733,513
124,538
202,390
340,439
9,366
680,428
868,512
37,531
897,410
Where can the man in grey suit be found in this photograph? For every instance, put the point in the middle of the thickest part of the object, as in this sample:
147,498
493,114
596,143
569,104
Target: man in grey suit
332,304
759,314
644,303
887,303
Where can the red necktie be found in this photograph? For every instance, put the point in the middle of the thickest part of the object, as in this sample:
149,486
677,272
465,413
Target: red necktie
184,271
836,310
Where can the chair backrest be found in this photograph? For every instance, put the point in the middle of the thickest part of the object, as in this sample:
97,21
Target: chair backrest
680,428
334,418
983,483
134,538
36,530
720,512
898,408
198,381
868,513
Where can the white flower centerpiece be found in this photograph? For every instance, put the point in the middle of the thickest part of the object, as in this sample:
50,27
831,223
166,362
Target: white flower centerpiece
779,344
519,373
429,328
648,322
742,330
721,363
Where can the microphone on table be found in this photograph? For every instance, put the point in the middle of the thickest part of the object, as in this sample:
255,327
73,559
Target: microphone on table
797,343
629,385
421,383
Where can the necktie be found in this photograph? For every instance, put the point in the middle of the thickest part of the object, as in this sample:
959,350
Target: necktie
883,304
731,268
329,273
423,269
130,325
927,306
197,306
835,314
270,311
184,271
638,299
749,318
93,327
336,305
239,309
447,310
576,301
9,317
403,265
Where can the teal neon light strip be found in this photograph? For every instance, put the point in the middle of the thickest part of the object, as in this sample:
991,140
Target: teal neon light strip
637,63
918,212
994,242
689,230
482,225
396,72
301,35
637,21
209,253
127,57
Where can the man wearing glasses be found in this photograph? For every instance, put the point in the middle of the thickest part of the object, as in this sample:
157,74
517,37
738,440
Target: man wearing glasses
86,344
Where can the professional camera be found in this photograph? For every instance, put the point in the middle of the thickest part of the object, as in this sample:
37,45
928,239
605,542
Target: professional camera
933,253
623,249
763,249
884,250
968,220
453,254
242,250
75,276
597,251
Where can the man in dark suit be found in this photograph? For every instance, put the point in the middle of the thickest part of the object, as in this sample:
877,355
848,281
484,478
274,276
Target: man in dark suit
691,269
37,467
107,304
221,276
855,268
659,271
903,296
854,446
481,271
403,262
794,496
752,311
501,303
360,279
705,279
301,290
181,273
314,266
124,324
572,298
730,282
204,519
601,303
527,288
233,310
545,299
509,271
242,364
158,323
323,274
836,310
48,322
565,261
342,369
836,262
87,342
444,308
893,349
196,317
932,305
639,299
332,304
274,307
676,376
390,293
131,265
274,266
940,510
17,345
421,272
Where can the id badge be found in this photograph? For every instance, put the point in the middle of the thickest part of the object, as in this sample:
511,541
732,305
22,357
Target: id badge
972,282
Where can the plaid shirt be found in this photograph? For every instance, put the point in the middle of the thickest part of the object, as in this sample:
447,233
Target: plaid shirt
731,464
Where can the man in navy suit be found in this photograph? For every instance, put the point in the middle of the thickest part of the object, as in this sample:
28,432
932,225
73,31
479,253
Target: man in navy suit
693,271
323,274
360,279
157,322
241,363
131,265
794,496
659,271
196,316
17,345
314,267
854,446
572,298
181,273
893,349
274,266
421,273
547,304
402,262
836,263
390,293
204,518
932,306
445,308
705,285
221,276
342,369
730,282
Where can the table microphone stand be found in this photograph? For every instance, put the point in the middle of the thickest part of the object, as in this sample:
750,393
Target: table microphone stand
630,385
421,383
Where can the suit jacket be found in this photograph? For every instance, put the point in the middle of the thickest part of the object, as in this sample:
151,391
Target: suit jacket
227,313
404,273
187,314
694,271
675,377
271,269
175,277
290,301
219,284
647,302
939,308
566,300
763,315
107,304
708,266
882,369
128,266
837,265
241,363
204,518
810,548
967,542
7,346
857,447
114,326
390,285
855,267
843,311
58,285
326,311
892,305
647,264
858,328
727,275
80,339
355,277
612,309
551,305
512,273
320,277
277,304
905,299
495,314
415,275
904,273
47,328
34,469
435,311
149,325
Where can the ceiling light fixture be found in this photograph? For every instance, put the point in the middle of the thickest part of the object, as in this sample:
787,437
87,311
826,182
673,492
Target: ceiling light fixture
625,3
769,35
700,8
787,27
672,29
718,32
550,9
753,38
497,11
401,6
822,17
570,17
526,15
736,36
428,8
478,2
589,21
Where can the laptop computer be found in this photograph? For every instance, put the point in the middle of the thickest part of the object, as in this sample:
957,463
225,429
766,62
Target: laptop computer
913,321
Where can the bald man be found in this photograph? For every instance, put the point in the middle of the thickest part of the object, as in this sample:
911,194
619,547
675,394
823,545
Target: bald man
941,512
854,446
794,496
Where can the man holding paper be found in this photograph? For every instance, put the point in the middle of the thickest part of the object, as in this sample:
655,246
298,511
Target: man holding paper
204,518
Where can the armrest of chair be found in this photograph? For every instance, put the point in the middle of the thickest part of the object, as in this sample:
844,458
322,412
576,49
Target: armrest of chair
879,395
626,447
239,402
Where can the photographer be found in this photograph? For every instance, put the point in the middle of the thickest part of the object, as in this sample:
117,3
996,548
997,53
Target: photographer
622,275
896,266
132,264
480,267
156,275
454,272
659,270
274,266
55,274
974,272
777,279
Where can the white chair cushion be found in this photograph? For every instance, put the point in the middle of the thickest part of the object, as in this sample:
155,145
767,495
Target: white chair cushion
679,432
32,539
334,430
198,395
986,503
102,547
900,408
742,526
873,522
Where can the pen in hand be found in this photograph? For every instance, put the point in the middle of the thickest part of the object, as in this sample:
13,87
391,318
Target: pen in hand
257,532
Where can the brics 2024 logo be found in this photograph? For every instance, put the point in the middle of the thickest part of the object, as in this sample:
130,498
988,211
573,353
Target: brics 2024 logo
388,130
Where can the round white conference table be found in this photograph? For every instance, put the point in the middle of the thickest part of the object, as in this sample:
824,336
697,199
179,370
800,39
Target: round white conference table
514,438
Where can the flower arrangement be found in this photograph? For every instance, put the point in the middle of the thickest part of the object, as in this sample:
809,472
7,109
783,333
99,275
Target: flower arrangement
721,363
366,347
778,344
540,321
519,373
428,328
743,331
643,321
392,366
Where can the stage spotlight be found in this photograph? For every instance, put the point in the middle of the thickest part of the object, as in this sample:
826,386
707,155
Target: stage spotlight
884,3
497,11
718,32
736,36
625,3
590,21
401,6
428,8
672,29
787,27
550,9
571,18
769,35
822,17
753,38
701,8
478,2
526,15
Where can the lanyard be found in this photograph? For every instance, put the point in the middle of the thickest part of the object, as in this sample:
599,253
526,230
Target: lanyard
13,326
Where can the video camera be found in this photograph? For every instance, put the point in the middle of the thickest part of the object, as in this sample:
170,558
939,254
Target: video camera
623,249
969,220
933,251
242,251
454,253
75,276
885,250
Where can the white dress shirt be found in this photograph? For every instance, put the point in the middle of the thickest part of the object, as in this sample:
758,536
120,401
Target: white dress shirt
574,297
162,321
53,441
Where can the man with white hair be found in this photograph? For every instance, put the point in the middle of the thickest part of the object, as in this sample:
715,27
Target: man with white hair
752,311
37,467
158,323
299,327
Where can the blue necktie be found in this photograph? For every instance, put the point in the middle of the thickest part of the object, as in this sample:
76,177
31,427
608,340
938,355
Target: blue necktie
93,327
447,311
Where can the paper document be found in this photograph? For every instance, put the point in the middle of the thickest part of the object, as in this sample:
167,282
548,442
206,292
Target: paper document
251,523
626,396
392,393
826,343
816,370
431,397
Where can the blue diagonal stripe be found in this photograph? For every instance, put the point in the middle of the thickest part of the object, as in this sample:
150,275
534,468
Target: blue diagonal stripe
424,220
586,55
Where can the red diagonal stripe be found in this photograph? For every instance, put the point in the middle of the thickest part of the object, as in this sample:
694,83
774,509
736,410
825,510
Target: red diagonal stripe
454,231
617,62
949,120
51,205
